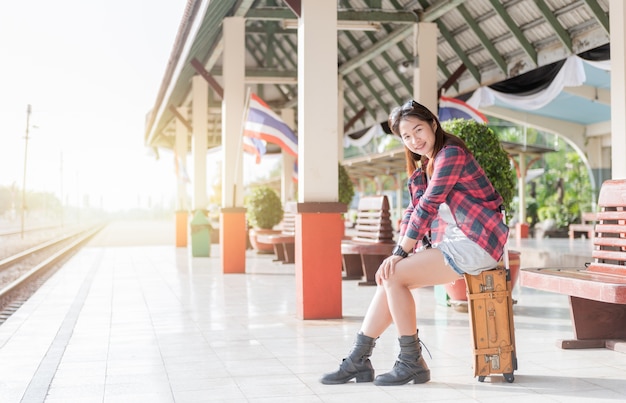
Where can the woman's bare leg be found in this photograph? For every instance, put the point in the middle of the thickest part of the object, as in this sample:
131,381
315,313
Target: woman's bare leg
377,318
393,302
422,269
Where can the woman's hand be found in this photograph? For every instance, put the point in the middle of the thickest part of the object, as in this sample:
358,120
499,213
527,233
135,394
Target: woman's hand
387,268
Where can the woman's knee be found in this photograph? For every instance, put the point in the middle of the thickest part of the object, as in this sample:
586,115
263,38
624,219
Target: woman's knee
395,281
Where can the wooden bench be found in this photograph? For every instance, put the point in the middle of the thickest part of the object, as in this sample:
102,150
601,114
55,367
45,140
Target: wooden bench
597,293
373,241
588,220
284,243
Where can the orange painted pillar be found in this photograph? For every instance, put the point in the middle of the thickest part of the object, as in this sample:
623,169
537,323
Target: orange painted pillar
233,239
319,231
181,228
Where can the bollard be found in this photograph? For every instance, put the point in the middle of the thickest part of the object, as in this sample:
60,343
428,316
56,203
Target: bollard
200,235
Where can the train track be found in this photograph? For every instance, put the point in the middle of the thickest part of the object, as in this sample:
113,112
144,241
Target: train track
23,273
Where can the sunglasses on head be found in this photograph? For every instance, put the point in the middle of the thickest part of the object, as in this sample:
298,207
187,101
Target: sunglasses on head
411,105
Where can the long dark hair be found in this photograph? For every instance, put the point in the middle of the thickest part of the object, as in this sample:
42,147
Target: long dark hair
442,138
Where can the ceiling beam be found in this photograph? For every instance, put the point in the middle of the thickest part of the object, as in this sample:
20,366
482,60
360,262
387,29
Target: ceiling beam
361,98
519,35
459,51
555,24
599,129
279,14
397,36
354,119
374,68
181,118
574,132
440,8
295,6
484,40
591,93
379,47
599,14
208,77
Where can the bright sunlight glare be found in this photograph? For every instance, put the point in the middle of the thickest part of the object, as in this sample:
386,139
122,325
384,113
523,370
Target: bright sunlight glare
91,72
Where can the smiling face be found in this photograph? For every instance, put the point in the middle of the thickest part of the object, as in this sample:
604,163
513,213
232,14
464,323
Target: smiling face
417,135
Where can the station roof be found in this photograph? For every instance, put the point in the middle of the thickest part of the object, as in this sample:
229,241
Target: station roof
481,43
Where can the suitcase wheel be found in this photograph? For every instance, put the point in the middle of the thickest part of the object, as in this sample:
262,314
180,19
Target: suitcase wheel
508,377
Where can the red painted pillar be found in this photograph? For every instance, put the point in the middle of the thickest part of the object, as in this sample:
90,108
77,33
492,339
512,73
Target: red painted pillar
182,226
233,239
319,231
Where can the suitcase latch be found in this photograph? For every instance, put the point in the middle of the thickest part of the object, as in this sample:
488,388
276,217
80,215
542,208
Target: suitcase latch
488,286
494,359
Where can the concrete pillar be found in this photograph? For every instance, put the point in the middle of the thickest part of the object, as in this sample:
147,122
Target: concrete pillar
425,65
232,216
319,227
286,179
182,207
617,14
199,142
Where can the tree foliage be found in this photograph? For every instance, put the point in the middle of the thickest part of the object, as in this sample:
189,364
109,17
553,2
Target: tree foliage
483,142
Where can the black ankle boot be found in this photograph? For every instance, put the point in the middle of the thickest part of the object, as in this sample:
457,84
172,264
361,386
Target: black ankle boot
356,365
410,365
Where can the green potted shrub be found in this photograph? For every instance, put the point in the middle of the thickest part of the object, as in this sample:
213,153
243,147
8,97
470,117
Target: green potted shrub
346,187
264,210
484,143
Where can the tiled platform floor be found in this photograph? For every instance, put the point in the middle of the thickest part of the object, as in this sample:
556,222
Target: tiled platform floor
131,318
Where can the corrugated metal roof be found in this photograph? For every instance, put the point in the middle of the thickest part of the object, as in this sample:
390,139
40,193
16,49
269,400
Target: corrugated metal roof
494,39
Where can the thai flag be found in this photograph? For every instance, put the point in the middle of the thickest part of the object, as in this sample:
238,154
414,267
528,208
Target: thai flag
451,108
255,147
262,123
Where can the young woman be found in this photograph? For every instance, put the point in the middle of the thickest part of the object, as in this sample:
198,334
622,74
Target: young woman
455,206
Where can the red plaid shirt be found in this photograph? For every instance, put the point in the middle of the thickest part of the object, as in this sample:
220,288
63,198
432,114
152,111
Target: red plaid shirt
461,183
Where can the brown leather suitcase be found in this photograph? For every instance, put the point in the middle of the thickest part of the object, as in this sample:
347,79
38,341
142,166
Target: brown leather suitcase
490,309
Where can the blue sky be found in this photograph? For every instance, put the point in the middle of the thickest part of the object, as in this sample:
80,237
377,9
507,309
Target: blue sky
91,71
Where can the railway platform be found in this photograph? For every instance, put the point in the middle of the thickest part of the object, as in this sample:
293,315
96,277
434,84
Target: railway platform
132,318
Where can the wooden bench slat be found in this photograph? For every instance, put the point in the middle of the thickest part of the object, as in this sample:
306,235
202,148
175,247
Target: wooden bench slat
372,223
610,215
607,268
619,256
607,242
577,282
379,218
373,229
610,228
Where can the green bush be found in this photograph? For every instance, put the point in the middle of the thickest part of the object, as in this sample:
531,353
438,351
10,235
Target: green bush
346,187
486,147
263,208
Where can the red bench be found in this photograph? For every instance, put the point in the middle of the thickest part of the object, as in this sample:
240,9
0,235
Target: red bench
373,241
284,243
597,292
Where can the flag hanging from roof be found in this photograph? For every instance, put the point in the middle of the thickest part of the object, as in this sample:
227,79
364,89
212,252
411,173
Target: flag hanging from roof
255,147
263,124
451,108
294,175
